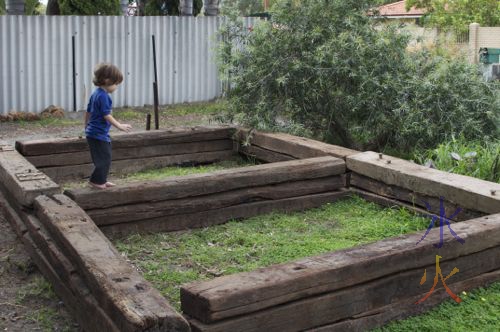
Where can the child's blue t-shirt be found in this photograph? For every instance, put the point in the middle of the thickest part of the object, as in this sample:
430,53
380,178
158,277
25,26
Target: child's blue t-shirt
99,106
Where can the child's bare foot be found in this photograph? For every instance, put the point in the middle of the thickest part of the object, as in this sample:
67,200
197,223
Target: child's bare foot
109,184
98,186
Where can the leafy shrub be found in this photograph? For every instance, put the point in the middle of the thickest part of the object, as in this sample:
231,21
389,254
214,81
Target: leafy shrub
324,69
82,7
477,159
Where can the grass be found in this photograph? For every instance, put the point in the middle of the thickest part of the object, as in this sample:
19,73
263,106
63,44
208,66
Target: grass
476,159
162,173
45,318
179,110
40,294
39,287
169,260
478,311
48,122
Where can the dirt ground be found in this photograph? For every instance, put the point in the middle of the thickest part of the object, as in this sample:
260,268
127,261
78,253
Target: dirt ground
27,302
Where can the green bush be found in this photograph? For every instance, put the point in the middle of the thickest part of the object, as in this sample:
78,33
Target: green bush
479,159
169,7
324,69
82,7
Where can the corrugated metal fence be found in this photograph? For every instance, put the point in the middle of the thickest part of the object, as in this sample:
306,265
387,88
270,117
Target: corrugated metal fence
36,59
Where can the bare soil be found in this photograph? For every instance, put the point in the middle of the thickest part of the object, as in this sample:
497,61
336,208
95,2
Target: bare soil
27,302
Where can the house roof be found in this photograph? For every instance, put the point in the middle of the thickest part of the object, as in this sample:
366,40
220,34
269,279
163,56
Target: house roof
398,10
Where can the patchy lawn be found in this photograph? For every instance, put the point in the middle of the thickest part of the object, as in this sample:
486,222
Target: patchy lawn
169,260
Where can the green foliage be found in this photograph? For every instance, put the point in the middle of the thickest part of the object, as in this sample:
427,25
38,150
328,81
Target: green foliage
31,7
169,7
82,7
162,173
458,14
169,260
323,69
479,159
478,311
34,7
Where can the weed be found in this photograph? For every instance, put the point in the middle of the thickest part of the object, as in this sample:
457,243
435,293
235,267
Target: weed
158,174
476,159
478,311
205,108
169,260
39,287
45,318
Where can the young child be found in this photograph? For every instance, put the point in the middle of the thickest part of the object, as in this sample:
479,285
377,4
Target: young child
98,121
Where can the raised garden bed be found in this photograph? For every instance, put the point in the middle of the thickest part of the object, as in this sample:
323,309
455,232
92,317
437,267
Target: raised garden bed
352,289
169,260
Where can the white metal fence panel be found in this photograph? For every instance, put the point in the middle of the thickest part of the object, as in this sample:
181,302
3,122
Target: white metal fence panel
36,59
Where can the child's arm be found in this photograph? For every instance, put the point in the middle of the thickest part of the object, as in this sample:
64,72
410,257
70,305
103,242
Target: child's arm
87,117
114,122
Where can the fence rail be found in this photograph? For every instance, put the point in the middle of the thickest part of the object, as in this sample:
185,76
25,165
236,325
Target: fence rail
36,59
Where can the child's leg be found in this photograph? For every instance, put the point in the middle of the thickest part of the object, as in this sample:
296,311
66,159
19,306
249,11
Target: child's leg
101,157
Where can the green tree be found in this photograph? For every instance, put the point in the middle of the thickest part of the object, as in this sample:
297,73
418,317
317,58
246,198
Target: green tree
168,7
31,7
458,14
34,7
323,68
82,7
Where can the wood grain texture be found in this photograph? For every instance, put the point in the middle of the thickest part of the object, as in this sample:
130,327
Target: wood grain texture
121,167
219,216
294,146
413,198
12,166
128,140
208,183
403,309
136,212
128,299
76,296
464,191
251,291
139,152
342,304
262,154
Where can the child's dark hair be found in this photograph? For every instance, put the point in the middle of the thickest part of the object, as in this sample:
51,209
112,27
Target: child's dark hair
106,74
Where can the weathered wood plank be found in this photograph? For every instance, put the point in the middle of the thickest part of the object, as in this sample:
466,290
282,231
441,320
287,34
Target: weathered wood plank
11,216
411,197
135,212
59,263
297,147
127,298
21,180
381,316
214,217
119,167
247,292
141,138
391,202
464,191
208,183
342,304
264,155
78,300
140,152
